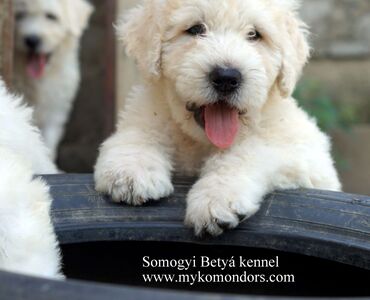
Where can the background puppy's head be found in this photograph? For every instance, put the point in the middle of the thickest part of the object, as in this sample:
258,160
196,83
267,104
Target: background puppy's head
228,55
42,27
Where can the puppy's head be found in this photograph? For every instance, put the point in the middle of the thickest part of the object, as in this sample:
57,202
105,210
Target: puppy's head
42,26
221,58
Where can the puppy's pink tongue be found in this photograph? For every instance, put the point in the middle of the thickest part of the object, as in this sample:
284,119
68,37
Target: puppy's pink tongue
222,124
36,65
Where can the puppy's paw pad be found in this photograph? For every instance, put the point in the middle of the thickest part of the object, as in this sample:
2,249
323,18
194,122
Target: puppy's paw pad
123,191
209,217
136,188
213,213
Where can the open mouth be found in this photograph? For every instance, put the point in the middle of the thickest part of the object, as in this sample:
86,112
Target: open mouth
36,64
220,122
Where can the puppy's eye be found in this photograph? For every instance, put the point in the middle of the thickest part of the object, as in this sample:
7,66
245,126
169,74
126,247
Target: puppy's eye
198,29
254,36
51,17
20,15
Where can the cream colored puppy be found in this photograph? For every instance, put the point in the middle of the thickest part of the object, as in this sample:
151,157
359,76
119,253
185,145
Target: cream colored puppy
216,102
47,71
28,243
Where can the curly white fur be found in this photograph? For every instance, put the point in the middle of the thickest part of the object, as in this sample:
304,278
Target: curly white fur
277,147
28,244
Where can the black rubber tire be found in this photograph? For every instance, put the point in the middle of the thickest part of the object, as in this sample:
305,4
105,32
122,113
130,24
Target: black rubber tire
19,287
333,226
329,225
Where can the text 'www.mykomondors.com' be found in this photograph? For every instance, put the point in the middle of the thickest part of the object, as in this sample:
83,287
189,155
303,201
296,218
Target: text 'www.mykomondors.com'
199,278
231,270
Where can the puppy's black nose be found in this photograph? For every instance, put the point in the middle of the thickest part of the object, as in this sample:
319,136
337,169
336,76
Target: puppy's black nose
32,42
226,81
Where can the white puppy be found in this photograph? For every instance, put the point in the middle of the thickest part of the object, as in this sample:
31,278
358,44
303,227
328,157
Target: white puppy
28,244
46,60
216,102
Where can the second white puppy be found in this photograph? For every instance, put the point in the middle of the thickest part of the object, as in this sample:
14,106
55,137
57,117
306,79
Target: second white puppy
46,65
216,102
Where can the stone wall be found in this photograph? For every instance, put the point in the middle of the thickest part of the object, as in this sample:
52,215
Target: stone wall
340,28
341,49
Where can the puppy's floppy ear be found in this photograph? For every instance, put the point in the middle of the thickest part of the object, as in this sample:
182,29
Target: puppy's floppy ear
78,13
140,31
295,50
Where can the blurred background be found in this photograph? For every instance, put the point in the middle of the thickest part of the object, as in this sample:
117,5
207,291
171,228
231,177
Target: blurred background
335,87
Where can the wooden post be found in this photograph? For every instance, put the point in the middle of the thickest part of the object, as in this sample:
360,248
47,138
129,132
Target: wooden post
6,40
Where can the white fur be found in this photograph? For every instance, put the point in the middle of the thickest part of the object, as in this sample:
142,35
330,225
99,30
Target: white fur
28,244
52,96
278,145
18,135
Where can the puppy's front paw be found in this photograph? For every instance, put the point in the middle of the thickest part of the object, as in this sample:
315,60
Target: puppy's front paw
214,207
134,184
137,189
